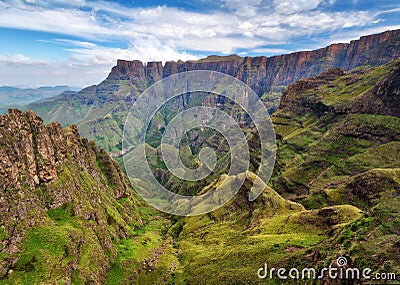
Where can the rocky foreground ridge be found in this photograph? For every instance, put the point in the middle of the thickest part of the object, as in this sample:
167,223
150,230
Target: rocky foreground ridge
60,203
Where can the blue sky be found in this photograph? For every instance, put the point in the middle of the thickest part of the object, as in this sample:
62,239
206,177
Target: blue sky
76,42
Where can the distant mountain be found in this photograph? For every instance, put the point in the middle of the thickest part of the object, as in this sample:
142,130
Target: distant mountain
100,110
262,73
14,96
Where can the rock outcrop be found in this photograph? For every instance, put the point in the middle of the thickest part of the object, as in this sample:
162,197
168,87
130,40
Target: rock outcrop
54,181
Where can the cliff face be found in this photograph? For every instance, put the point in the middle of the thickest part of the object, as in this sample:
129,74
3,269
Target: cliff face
54,181
373,50
99,111
261,73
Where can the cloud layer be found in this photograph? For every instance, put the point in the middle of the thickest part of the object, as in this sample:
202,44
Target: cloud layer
95,34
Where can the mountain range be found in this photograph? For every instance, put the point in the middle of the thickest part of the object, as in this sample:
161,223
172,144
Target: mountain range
100,110
14,96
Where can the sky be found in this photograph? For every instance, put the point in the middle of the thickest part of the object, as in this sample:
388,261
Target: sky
76,42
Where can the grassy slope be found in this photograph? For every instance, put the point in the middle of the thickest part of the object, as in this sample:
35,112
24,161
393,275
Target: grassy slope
149,257
328,163
66,242
230,244
346,159
317,153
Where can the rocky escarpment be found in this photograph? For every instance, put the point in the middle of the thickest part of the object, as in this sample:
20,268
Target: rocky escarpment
60,203
261,73
100,110
129,78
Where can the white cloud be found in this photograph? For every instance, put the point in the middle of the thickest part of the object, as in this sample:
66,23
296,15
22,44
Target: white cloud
315,22
242,8
164,33
81,44
22,60
183,30
268,51
64,21
293,6
145,51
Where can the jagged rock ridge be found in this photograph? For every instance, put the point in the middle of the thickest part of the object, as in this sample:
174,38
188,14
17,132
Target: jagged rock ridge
100,110
261,73
59,203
